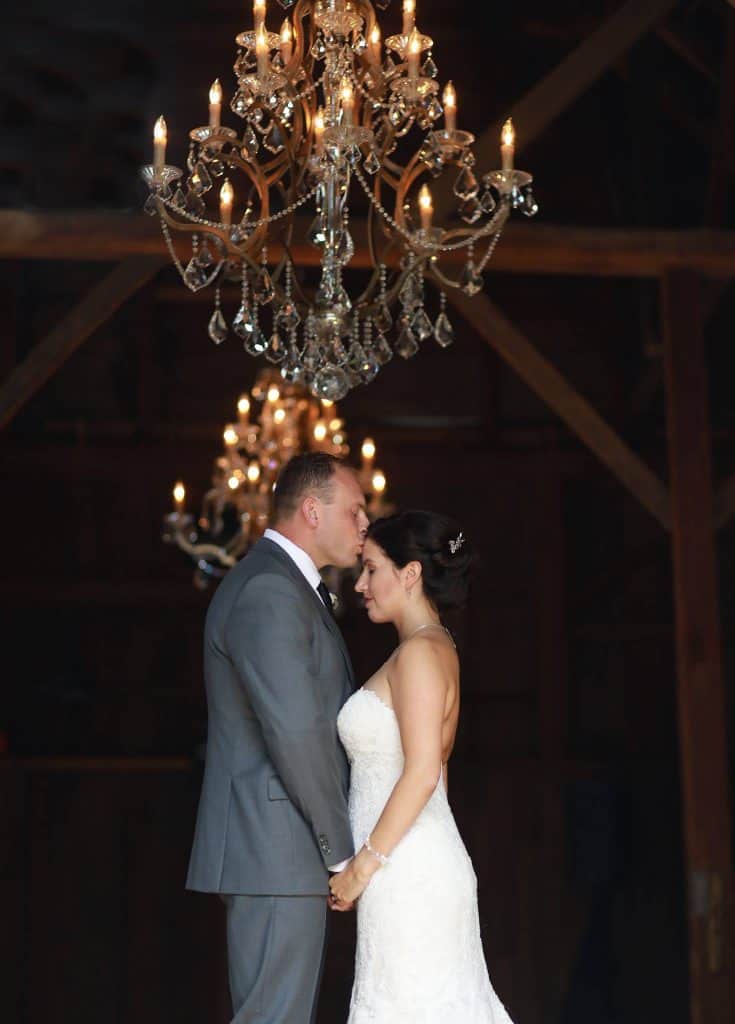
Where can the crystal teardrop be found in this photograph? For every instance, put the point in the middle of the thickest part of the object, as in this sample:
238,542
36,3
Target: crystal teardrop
466,186
242,324
443,330
429,69
217,327
382,319
195,275
288,315
276,351
372,163
470,210
263,290
406,346
487,201
150,206
256,342
410,293
382,349
470,281
421,325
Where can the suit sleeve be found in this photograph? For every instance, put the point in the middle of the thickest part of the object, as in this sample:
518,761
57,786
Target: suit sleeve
269,636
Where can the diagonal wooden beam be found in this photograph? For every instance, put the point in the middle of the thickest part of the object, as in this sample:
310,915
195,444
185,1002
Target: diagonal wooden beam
578,414
94,309
542,104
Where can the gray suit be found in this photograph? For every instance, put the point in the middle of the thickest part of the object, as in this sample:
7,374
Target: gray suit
273,811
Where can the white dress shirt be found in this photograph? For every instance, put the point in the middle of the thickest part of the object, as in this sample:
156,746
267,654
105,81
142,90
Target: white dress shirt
305,564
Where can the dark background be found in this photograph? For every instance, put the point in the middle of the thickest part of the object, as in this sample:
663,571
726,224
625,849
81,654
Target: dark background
564,779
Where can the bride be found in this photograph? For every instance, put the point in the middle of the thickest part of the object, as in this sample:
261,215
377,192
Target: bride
419,954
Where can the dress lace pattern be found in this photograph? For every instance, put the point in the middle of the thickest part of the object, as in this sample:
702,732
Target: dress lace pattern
419,954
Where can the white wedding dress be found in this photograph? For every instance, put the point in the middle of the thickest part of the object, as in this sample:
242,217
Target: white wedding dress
419,954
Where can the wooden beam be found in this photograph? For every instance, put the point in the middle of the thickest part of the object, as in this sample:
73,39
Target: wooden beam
93,310
524,248
724,504
542,104
578,414
700,686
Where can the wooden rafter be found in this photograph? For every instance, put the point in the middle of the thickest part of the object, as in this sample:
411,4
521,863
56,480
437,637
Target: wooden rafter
579,415
535,111
94,309
524,248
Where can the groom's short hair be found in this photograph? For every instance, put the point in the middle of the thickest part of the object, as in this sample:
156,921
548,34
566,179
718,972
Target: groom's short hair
309,473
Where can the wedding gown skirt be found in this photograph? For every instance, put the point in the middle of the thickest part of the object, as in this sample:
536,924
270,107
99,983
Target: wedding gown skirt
419,954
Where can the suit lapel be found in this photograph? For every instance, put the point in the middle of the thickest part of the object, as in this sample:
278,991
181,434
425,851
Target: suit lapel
327,617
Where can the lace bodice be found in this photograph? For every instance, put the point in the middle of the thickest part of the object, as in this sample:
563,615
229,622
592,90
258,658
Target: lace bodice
419,955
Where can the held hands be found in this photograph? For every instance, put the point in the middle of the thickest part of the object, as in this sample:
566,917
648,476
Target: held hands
349,885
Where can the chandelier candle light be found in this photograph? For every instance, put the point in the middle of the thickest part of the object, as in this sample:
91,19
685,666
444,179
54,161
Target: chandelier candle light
274,422
328,105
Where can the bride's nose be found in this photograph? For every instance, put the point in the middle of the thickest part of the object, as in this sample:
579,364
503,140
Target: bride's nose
360,585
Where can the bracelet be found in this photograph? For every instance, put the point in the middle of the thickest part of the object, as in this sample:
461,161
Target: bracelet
376,853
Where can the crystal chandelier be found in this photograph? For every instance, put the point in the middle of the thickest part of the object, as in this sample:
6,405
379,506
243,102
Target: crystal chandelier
276,421
327,109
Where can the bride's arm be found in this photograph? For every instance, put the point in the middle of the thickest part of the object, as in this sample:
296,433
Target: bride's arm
419,689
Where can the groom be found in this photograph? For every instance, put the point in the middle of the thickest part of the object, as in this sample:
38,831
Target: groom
272,817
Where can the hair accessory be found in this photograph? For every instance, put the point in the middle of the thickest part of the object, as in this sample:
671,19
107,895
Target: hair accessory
456,543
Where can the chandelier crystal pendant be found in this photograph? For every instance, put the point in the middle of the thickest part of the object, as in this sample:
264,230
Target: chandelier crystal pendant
328,108
274,422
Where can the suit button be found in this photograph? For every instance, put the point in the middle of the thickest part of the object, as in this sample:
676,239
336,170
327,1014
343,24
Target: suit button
324,844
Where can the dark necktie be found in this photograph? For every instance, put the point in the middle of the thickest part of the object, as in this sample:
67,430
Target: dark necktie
323,592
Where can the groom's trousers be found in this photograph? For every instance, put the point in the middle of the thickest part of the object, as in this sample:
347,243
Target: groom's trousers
275,951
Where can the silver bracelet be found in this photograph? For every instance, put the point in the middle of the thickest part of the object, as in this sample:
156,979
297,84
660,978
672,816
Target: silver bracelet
376,853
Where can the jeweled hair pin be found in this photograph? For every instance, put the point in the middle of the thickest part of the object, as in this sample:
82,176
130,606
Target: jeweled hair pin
456,543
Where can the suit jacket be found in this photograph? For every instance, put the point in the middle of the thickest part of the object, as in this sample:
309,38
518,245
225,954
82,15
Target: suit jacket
273,810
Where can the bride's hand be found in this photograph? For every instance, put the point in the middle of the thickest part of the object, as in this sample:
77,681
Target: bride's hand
349,885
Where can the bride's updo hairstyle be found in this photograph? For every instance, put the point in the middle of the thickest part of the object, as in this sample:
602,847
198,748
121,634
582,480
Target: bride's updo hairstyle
436,542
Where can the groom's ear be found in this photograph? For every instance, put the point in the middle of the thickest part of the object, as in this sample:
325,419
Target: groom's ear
310,511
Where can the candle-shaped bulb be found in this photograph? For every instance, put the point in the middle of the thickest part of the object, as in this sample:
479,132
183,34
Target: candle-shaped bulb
253,472
414,53
449,98
230,436
243,408
507,145
279,416
319,131
347,100
226,197
160,137
233,482
262,50
368,449
320,431
179,496
273,393
215,103
258,13
375,44
286,42
379,482
426,207
409,16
